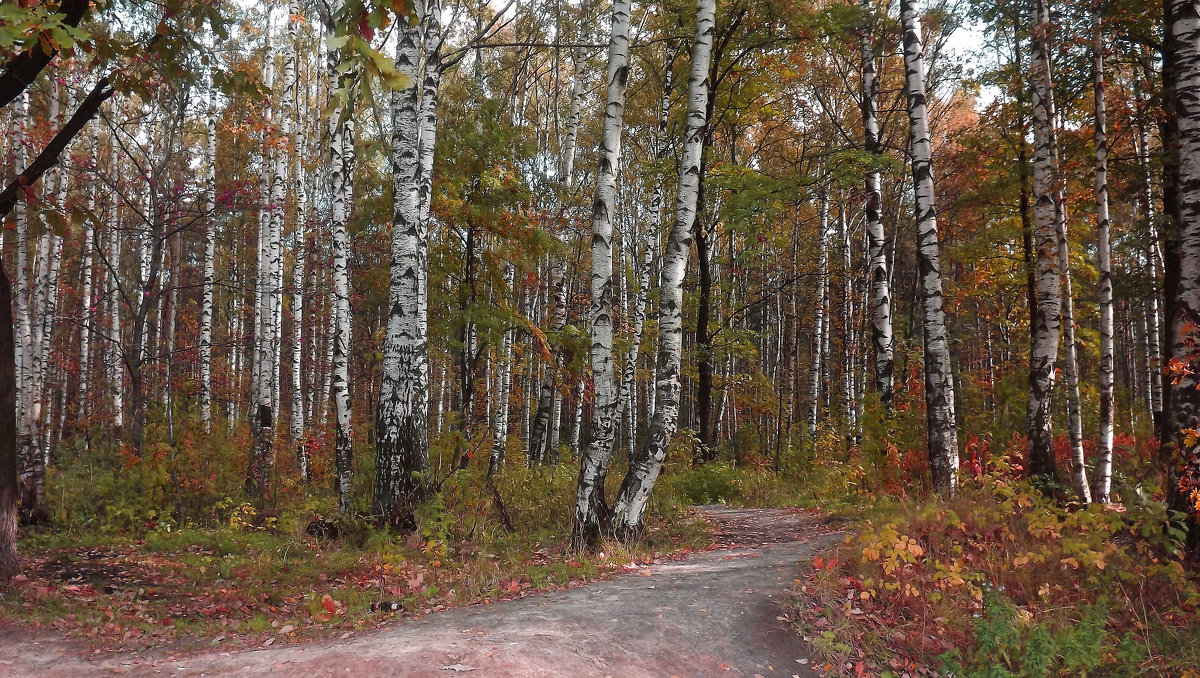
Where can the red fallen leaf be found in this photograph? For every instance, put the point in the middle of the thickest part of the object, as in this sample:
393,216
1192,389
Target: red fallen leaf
329,604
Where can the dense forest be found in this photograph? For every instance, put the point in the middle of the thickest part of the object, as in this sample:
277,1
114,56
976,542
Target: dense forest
487,292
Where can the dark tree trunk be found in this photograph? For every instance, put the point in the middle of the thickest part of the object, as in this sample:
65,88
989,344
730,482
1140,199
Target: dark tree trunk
8,433
704,358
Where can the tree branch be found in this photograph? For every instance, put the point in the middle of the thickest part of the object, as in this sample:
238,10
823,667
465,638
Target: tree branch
21,70
49,156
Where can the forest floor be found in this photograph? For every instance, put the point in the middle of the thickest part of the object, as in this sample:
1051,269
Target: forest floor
711,614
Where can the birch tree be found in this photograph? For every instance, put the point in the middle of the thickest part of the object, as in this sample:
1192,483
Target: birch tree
939,375
210,258
341,163
291,167
589,500
650,239
1184,412
402,424
269,292
630,506
1102,480
87,303
820,321
1046,315
504,384
1070,361
881,296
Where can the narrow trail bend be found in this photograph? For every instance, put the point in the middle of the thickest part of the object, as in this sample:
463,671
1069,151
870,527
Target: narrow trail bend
712,614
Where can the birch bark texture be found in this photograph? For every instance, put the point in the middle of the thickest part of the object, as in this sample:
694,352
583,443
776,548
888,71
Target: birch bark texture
820,321
402,423
881,295
504,384
939,375
650,240
1070,358
630,506
1047,313
1184,400
88,302
341,157
210,252
293,172
431,84
1102,480
589,502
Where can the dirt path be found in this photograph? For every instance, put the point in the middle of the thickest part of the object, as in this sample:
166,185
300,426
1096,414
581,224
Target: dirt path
712,614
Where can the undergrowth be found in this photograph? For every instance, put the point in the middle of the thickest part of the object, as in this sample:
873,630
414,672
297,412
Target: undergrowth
166,549
1001,580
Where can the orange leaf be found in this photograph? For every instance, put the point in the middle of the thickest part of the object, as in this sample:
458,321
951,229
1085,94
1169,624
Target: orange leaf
329,604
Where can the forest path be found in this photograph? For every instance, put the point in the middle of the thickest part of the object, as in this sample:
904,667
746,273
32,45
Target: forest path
711,614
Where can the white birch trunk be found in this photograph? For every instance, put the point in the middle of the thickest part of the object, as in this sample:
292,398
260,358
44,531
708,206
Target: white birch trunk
269,292
570,140
341,171
939,376
649,244
1049,279
540,447
820,323
289,165
605,410
1154,383
402,426
116,373
881,294
504,384
1102,480
88,302
643,471
1184,413
1070,362
24,331
210,256
429,101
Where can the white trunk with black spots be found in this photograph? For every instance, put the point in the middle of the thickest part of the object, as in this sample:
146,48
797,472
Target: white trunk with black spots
402,425
939,376
1184,415
1102,481
630,507
112,361
649,245
24,329
541,434
605,409
881,295
429,101
1070,362
210,255
341,156
290,166
570,140
88,302
504,385
820,322
1154,383
1046,320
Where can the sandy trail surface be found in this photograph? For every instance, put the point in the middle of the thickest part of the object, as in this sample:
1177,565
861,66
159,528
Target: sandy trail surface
711,614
